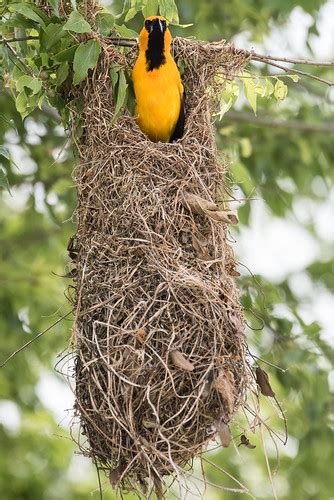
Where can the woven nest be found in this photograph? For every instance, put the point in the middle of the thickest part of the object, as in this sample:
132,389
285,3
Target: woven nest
160,356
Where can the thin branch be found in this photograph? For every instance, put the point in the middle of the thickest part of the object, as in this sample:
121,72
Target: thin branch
27,344
130,42
274,123
134,41
305,62
268,465
18,59
18,39
98,477
264,60
122,42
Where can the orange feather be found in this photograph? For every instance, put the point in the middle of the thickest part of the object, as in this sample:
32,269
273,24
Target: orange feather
158,91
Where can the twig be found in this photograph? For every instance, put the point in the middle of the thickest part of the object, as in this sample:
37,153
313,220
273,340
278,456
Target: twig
27,344
98,477
16,56
122,42
130,42
268,465
284,420
267,362
220,469
272,122
305,62
18,39
265,60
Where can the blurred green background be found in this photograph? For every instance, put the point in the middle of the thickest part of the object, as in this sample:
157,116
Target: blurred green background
283,171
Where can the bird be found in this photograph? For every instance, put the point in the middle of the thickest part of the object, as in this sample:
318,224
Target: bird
158,89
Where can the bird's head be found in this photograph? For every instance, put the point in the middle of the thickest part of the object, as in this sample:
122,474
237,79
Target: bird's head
155,32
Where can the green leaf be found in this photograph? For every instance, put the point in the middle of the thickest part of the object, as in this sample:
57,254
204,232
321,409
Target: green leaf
250,89
31,82
3,179
294,78
21,102
104,22
268,88
29,11
62,73
124,31
4,152
32,102
245,147
169,10
41,99
44,58
130,14
241,177
6,120
16,73
281,90
18,21
25,103
114,73
51,35
85,58
66,54
151,8
121,95
54,5
228,98
182,25
77,23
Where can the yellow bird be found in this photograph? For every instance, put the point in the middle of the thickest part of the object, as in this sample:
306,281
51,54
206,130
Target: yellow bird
157,84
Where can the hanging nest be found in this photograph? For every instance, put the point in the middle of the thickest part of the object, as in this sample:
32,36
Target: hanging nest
159,331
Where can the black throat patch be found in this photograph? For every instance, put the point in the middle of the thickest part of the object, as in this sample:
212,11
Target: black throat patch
155,53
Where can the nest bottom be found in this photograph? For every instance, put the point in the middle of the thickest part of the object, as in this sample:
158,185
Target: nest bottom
150,399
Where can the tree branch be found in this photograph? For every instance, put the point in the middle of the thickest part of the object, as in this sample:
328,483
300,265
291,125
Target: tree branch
266,121
27,344
18,39
16,56
122,42
130,42
295,61
265,60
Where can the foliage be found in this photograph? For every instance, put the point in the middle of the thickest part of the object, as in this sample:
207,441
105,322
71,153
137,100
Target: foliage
37,70
284,167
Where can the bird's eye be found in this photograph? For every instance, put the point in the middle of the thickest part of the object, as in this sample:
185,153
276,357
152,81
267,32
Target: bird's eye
147,25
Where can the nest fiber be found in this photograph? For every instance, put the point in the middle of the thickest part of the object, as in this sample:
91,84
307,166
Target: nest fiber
160,364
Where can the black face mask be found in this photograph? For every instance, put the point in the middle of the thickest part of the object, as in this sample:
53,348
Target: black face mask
155,56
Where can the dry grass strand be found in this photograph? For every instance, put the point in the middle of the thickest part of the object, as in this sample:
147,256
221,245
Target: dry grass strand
159,332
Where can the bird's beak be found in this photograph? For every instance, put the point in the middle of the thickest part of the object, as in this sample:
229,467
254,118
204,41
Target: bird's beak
161,26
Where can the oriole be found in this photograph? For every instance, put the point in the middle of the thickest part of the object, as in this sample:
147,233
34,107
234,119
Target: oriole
157,84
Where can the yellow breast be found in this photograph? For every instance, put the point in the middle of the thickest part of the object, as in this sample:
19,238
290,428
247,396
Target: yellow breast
158,97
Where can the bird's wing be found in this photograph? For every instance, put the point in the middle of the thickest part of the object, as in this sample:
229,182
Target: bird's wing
179,127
